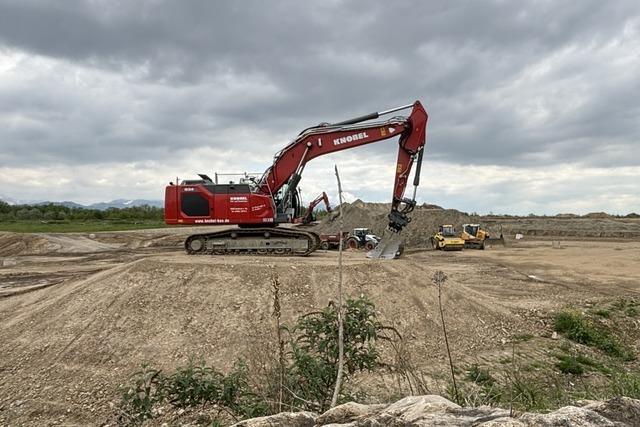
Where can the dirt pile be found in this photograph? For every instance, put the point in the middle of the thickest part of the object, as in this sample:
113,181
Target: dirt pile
68,347
18,244
425,220
578,228
12,244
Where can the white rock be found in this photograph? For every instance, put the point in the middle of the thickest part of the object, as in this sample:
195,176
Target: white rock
568,416
348,412
283,419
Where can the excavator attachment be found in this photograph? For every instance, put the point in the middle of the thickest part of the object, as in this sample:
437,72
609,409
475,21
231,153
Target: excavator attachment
390,247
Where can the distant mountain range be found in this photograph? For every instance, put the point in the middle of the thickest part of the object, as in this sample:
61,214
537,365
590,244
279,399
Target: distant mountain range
118,203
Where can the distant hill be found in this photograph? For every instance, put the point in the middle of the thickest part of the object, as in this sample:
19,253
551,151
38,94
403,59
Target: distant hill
124,203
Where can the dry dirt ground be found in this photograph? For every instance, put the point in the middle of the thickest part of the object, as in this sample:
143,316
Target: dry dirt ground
79,312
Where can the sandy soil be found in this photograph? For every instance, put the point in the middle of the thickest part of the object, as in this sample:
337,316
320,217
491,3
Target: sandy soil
79,313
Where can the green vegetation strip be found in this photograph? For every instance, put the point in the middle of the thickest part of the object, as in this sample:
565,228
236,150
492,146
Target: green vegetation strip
53,218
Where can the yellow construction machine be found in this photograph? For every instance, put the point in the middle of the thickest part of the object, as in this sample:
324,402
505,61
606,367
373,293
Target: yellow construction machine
476,237
446,239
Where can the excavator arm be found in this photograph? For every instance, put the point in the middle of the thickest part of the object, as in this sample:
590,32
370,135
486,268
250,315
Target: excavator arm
329,138
308,216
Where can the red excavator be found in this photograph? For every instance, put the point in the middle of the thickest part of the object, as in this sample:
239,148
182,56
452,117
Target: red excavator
257,206
308,217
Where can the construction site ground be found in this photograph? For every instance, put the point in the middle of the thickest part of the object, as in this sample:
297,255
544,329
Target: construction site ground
79,313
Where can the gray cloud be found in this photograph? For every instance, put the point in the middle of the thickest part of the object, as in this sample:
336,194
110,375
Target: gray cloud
525,85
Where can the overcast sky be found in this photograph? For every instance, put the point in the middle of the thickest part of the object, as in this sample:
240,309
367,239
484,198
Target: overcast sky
534,106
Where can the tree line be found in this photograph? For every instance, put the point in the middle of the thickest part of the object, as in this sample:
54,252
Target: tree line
56,212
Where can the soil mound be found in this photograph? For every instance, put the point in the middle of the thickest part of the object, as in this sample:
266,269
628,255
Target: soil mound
16,244
84,337
19,244
425,220
13,244
597,215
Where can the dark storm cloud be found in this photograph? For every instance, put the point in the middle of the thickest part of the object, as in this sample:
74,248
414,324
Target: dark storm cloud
188,69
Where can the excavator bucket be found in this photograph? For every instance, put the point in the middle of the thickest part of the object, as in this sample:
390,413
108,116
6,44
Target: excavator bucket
389,247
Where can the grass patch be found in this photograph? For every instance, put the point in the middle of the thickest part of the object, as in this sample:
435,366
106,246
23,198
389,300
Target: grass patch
523,337
631,311
625,384
578,328
575,365
479,375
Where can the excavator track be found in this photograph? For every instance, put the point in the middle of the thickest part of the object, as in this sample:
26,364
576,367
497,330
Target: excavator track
253,241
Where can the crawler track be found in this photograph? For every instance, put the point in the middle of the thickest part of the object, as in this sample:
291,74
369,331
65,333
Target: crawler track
253,241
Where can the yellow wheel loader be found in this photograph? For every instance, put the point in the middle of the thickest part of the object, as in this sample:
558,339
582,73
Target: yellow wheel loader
476,238
446,239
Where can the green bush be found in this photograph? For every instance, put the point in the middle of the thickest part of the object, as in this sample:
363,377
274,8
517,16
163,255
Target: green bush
194,384
631,311
577,328
314,350
529,393
140,396
189,386
570,365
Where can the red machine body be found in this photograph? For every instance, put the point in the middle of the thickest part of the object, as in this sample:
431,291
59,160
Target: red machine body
210,204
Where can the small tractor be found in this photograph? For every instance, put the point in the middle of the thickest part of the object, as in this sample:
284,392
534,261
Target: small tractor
360,238
446,239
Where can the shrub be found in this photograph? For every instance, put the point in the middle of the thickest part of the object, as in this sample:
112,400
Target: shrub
577,328
191,385
139,397
570,365
314,350
194,384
